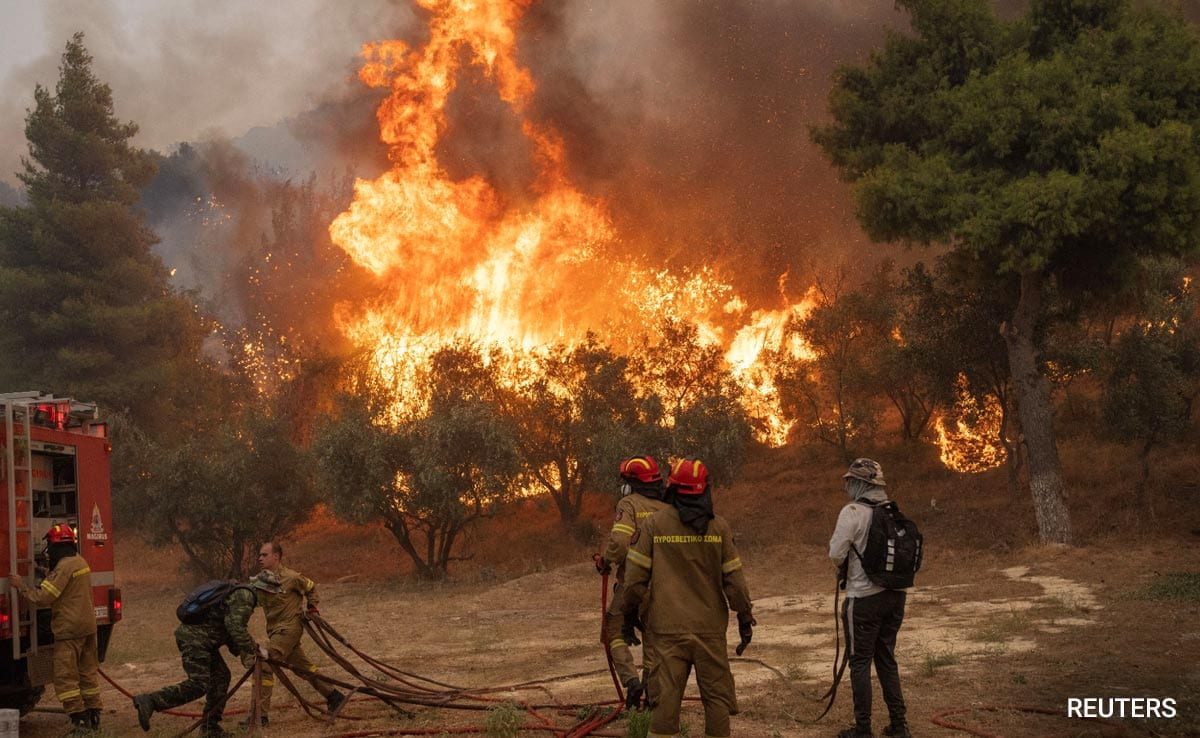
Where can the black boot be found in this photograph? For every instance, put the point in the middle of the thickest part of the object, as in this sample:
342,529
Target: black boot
213,731
80,724
145,708
335,700
94,717
897,730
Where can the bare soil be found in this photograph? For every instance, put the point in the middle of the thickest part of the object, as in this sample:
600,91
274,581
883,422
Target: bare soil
996,620
1030,627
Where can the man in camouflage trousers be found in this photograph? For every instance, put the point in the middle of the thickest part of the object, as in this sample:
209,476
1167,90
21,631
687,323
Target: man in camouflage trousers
207,675
682,569
643,492
284,611
67,591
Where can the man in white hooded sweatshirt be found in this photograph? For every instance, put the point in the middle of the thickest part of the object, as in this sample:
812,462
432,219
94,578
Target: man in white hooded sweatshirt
871,614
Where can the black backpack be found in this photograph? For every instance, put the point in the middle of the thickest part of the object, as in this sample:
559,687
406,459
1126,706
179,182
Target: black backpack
894,547
203,601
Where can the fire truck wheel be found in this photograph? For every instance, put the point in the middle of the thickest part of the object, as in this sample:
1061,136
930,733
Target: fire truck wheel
23,700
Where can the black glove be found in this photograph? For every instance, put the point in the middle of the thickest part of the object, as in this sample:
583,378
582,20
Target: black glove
601,564
627,631
746,631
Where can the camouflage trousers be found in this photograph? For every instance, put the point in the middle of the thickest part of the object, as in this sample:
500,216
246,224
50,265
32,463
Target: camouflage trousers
76,683
622,654
207,674
284,644
675,655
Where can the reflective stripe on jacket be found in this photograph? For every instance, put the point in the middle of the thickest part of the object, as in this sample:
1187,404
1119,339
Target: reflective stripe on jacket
681,579
67,591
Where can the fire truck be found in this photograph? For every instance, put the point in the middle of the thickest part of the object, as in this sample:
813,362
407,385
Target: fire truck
54,468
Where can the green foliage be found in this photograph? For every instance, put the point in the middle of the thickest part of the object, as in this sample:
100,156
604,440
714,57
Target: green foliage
1153,368
831,393
1178,586
691,403
220,493
637,723
448,459
84,301
1154,364
504,721
1054,149
575,410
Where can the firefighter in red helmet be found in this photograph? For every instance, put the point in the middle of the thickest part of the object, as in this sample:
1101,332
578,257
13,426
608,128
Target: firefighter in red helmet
67,591
642,494
684,574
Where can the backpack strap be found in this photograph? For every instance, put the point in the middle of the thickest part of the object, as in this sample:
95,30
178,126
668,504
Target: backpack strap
872,506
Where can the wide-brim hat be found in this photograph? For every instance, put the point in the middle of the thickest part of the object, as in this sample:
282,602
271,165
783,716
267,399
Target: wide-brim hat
868,470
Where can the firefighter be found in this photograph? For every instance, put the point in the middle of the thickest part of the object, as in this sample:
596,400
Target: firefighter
284,611
642,495
681,570
200,648
67,590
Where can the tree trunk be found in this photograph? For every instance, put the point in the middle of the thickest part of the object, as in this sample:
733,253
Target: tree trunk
1140,492
1036,413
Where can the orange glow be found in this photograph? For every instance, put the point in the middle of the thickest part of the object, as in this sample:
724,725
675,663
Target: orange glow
969,436
458,258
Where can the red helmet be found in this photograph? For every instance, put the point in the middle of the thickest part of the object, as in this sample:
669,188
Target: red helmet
60,534
688,477
641,469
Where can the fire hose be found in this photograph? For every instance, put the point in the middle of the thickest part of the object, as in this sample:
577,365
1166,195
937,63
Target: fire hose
839,667
604,639
396,687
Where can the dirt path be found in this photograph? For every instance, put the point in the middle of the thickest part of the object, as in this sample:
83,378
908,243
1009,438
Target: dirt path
1034,627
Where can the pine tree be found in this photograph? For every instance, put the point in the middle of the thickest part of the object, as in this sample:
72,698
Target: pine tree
1047,153
85,304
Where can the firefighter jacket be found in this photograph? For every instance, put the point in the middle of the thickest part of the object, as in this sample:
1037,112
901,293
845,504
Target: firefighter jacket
693,576
67,590
284,610
631,511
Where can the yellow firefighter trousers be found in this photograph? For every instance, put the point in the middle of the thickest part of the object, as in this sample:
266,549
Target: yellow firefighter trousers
76,683
284,645
622,654
675,655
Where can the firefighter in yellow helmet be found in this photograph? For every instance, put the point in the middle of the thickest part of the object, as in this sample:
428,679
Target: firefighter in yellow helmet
67,590
642,495
284,612
681,571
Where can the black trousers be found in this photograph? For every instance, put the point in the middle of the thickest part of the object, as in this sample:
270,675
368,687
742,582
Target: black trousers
871,625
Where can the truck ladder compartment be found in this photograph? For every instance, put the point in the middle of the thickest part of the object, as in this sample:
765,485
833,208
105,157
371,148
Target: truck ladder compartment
18,460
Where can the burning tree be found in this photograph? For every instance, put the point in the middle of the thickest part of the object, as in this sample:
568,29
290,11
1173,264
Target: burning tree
1153,371
429,467
1048,150
829,389
576,412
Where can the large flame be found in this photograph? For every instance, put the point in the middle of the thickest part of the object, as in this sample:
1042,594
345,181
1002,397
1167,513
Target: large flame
969,436
461,258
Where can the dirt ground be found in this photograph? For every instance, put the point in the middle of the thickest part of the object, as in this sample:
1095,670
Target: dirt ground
1031,627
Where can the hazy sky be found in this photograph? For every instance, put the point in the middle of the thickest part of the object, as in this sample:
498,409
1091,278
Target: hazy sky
691,118
182,69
